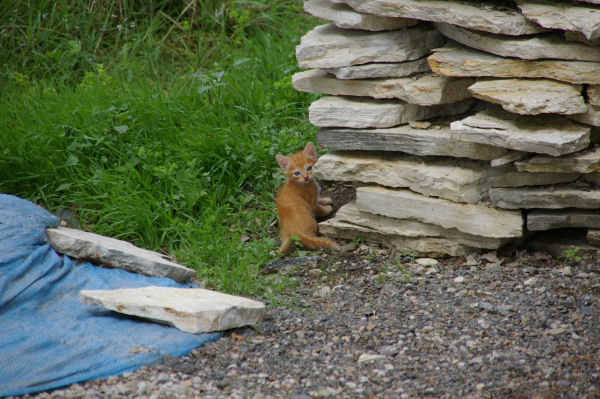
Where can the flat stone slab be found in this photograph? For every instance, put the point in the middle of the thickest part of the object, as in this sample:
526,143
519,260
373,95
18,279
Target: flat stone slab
416,246
422,90
509,176
461,181
565,15
328,46
587,161
548,45
437,140
192,310
538,219
343,16
381,70
480,220
115,253
555,197
349,213
548,134
531,96
485,18
593,95
363,112
590,117
455,60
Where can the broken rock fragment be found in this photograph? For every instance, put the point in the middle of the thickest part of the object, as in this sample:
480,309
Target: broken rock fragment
192,310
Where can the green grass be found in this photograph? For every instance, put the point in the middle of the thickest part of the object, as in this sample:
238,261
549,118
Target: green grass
156,124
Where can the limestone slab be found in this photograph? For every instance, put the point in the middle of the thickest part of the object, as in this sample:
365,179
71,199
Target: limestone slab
555,197
381,70
547,45
334,111
422,90
420,246
587,161
509,176
580,37
192,310
349,213
593,95
462,61
549,134
481,17
507,158
480,220
115,253
590,117
343,16
539,219
565,15
327,46
437,141
461,181
531,96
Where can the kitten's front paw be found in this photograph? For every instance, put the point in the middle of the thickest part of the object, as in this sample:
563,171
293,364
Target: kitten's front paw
325,201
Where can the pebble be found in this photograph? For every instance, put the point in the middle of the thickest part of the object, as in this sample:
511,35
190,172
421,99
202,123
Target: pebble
459,279
530,281
427,262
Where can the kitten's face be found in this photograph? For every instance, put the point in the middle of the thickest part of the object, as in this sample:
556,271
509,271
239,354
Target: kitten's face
299,167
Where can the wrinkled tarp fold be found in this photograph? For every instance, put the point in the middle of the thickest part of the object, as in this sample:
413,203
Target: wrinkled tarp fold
48,338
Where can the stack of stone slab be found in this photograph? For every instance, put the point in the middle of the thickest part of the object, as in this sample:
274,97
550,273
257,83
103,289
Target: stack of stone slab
466,124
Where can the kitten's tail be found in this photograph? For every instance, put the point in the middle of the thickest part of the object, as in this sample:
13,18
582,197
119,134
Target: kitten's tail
313,242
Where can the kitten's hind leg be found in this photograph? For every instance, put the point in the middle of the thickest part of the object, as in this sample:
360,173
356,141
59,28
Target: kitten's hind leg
324,201
286,245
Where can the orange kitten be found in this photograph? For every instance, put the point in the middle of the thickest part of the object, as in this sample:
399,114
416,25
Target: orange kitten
298,202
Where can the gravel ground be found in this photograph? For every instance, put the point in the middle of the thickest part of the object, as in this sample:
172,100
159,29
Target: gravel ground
370,324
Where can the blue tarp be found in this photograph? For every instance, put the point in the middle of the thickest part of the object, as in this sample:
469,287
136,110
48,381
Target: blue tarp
48,338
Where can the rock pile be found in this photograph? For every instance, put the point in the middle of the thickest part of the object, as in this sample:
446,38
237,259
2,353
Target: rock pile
466,125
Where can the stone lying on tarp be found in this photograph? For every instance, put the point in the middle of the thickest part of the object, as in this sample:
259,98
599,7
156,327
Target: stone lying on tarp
192,310
115,253
456,60
345,17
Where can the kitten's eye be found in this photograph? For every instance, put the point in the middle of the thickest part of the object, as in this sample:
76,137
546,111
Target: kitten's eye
309,168
297,173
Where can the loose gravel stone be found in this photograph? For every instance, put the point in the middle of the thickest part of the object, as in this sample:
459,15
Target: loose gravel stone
368,326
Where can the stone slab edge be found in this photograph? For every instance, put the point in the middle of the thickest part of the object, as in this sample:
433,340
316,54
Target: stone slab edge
115,253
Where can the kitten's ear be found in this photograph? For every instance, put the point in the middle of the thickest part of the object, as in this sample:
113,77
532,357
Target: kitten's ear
283,161
310,151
